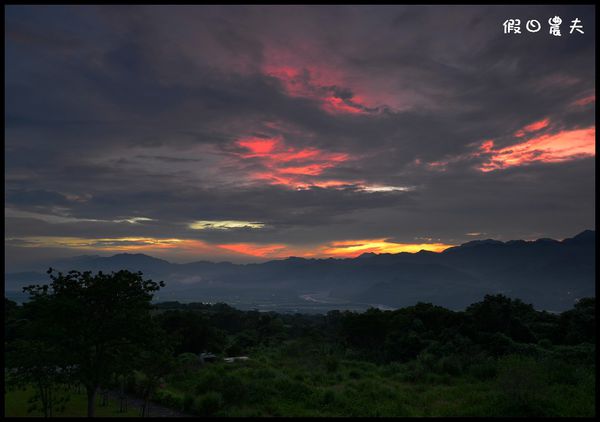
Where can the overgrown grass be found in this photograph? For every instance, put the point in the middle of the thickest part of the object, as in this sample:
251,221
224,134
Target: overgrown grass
276,384
16,404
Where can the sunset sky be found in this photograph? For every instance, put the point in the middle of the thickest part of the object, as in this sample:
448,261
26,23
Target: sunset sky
247,133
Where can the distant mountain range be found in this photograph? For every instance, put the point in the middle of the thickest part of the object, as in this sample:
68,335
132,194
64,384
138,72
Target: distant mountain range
550,274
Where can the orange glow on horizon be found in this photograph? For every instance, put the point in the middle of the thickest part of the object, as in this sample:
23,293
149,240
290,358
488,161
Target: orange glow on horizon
336,249
190,247
354,248
253,249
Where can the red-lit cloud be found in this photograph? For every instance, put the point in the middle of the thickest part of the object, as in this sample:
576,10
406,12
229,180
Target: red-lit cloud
286,165
548,148
585,101
320,84
258,146
533,127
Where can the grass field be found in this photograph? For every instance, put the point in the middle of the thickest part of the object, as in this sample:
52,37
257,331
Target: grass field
16,404
272,384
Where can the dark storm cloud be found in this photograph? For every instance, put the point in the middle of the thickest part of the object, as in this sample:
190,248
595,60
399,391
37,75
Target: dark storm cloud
118,112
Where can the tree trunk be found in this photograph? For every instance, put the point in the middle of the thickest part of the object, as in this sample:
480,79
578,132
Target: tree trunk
122,404
91,399
122,397
145,411
45,403
44,398
50,401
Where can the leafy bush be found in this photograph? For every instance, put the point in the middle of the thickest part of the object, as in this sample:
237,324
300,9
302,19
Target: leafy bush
354,374
328,397
207,404
522,384
450,365
233,388
188,402
414,372
169,399
581,353
561,372
332,364
484,369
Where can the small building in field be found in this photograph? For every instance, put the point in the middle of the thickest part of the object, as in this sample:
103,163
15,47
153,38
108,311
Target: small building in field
235,358
206,357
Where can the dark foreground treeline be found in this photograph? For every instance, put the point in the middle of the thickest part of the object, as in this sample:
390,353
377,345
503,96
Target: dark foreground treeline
494,327
499,357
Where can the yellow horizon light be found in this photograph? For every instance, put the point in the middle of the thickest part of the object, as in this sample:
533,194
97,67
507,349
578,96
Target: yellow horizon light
349,247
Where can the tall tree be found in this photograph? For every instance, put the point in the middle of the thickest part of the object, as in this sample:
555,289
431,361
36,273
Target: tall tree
38,364
99,321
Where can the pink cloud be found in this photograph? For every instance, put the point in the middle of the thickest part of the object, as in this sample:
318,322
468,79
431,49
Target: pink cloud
533,127
549,148
557,147
585,100
321,84
287,165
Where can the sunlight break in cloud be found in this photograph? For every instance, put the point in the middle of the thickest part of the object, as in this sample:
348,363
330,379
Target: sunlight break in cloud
225,225
378,188
109,244
63,219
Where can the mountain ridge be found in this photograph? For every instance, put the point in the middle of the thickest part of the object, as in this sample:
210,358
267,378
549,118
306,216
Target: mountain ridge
546,272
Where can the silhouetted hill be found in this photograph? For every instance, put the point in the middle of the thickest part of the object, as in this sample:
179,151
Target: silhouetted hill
550,274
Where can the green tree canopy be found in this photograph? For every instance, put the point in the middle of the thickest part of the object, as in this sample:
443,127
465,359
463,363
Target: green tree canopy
100,322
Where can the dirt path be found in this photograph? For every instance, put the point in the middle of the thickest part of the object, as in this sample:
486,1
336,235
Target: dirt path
156,410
